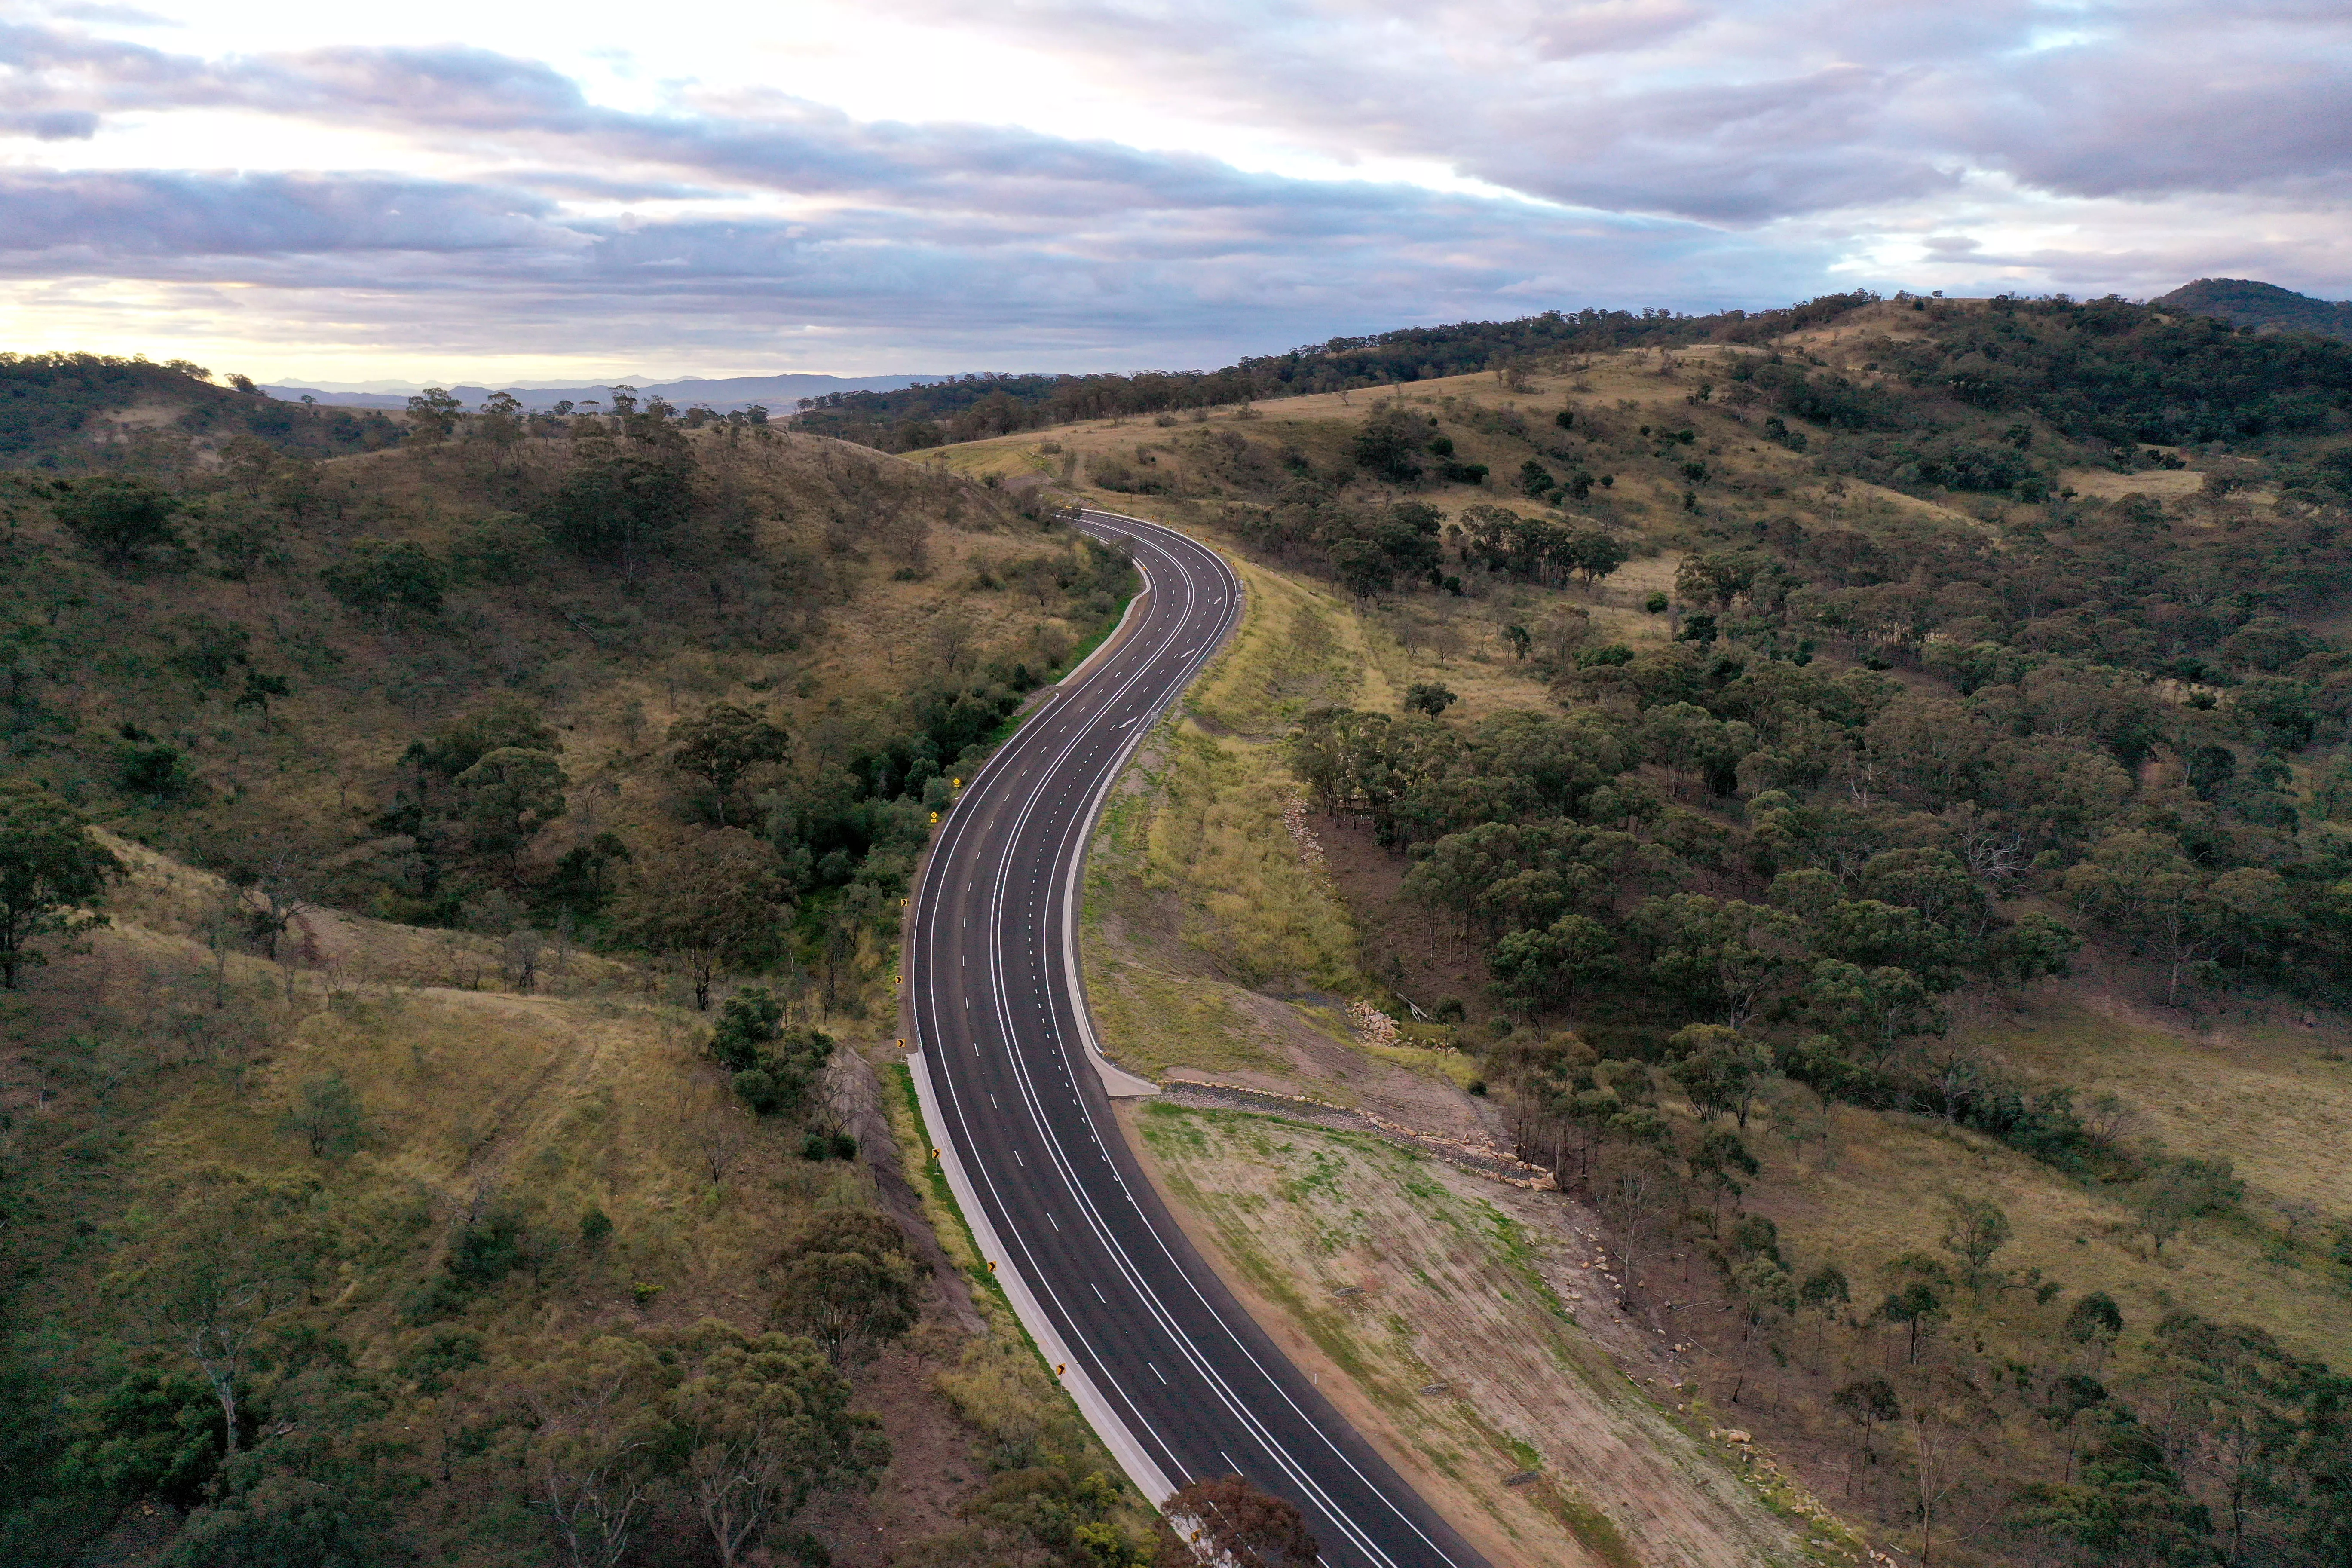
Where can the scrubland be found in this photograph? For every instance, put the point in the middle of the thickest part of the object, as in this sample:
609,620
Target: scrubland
2109,1174
386,1079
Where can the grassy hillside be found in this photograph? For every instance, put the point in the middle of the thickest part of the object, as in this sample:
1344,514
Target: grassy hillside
1842,670
66,412
378,1186
967,408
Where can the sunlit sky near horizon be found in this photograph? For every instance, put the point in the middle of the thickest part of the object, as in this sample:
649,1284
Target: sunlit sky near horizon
543,193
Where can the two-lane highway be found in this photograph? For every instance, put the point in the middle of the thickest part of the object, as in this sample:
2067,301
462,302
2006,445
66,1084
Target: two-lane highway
1180,1381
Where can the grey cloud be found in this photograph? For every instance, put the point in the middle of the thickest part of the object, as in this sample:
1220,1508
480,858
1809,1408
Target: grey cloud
121,15
2160,119
583,185
175,214
1725,154
1741,122
1796,134
1742,111
423,263
50,125
1612,27
493,102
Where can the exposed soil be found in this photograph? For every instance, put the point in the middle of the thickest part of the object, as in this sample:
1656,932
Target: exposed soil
1416,1296
1409,948
1322,1067
931,1473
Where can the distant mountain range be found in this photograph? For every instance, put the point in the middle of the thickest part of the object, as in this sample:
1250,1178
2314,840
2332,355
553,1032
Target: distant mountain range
2265,307
781,393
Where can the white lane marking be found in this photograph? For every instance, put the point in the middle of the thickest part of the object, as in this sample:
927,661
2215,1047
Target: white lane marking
1182,1340
1230,1395
1105,1389
1074,845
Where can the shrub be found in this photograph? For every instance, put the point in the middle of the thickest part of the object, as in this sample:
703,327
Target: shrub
772,1065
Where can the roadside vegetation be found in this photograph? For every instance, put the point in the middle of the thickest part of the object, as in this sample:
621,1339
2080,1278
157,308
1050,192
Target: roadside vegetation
448,902
1861,801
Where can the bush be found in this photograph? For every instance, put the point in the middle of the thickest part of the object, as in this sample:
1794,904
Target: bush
772,1065
148,1434
487,1249
434,1299
155,770
119,519
387,580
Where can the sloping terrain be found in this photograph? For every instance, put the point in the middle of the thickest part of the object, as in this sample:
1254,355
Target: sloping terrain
1469,1340
1934,1226
449,793
2265,307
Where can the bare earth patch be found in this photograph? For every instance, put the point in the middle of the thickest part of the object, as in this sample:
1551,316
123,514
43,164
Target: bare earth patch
1454,1320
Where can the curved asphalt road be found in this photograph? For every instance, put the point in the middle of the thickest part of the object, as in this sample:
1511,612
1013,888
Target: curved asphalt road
1180,1381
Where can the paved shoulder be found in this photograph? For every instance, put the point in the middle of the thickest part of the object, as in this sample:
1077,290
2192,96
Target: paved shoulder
1180,1381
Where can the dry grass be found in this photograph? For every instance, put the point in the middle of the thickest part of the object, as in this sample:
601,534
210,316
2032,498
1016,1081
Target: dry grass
881,569
1449,1326
544,1107
551,1104
328,950
2106,484
2275,1098
1627,390
180,1050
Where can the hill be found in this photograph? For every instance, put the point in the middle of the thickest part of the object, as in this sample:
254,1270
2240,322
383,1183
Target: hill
70,412
971,406
2265,307
408,1159
1862,809
1845,806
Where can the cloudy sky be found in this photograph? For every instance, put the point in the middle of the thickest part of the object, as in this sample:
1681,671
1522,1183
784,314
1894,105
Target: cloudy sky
522,191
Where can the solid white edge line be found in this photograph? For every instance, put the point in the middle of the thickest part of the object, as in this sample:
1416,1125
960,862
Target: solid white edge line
1110,640
1118,1082
1130,1456
1281,1456
1140,1468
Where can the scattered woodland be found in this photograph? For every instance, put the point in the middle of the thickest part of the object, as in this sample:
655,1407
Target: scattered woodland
1809,768
449,876
1856,795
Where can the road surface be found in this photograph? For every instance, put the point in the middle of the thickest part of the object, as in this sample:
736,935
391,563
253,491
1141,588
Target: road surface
1180,1381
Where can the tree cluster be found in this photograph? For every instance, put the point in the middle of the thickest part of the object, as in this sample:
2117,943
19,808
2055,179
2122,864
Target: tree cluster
230,1393
972,407
1595,858
49,401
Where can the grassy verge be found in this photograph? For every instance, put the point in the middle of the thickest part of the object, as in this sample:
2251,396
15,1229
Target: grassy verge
1454,1320
1084,650
946,1214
